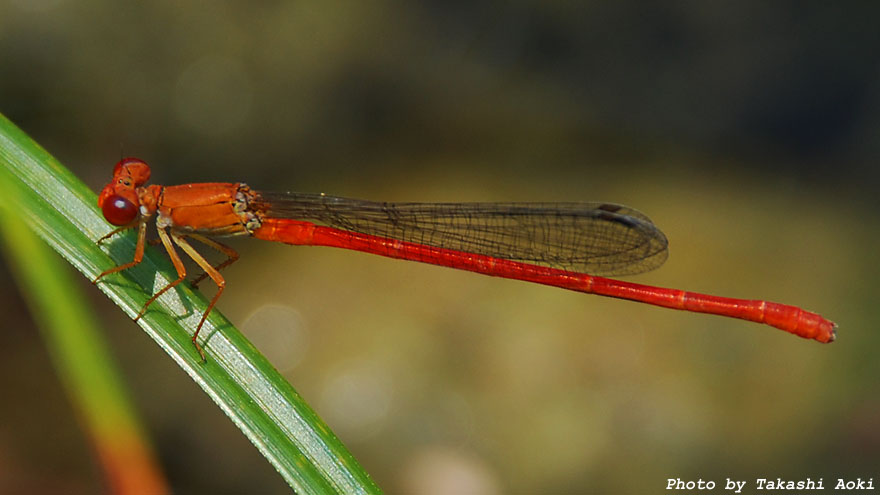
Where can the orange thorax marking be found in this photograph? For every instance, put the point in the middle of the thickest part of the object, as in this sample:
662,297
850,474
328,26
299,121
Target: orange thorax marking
204,208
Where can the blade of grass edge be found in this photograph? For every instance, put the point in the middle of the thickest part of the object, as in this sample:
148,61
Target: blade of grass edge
83,363
62,211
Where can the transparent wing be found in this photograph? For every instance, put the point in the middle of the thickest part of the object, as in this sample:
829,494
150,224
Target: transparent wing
596,238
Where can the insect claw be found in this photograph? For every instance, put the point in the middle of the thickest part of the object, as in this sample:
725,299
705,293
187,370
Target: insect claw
199,348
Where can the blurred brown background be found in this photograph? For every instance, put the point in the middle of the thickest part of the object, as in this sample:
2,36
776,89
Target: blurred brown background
748,131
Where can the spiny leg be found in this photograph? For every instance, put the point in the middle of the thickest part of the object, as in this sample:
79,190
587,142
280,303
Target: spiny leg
118,230
231,256
211,272
138,250
178,265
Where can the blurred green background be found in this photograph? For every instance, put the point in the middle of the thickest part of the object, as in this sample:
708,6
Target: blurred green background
748,131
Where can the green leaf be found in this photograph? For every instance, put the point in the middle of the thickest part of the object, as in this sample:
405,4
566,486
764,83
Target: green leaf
82,360
62,210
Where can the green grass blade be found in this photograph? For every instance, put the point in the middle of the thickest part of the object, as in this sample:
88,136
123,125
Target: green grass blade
81,359
62,210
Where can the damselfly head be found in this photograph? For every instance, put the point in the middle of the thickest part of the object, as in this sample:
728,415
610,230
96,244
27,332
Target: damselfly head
119,199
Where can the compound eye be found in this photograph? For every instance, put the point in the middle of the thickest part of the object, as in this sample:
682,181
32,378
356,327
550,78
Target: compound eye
118,210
